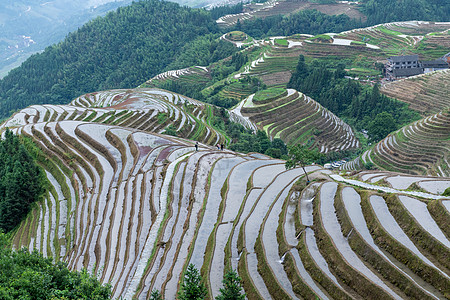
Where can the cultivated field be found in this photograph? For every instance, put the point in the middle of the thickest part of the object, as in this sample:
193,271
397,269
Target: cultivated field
137,207
151,110
296,118
420,148
286,7
427,93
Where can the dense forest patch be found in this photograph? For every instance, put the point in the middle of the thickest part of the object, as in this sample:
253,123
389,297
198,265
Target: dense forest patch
21,182
26,275
362,106
121,50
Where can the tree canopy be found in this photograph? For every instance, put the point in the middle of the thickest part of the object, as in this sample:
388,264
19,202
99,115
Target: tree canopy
350,100
21,181
192,287
232,289
25,275
301,155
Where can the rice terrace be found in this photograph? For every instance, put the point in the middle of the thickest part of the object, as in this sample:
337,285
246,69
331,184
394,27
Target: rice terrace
293,160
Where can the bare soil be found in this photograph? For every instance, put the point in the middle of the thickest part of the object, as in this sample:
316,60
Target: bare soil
276,78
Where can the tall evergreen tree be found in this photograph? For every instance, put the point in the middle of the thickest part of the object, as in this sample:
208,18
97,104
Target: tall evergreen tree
232,289
192,287
21,181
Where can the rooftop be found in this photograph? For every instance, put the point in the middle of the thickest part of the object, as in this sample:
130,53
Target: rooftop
404,58
407,72
438,63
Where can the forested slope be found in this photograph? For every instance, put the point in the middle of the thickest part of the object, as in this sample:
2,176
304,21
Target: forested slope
127,47
123,49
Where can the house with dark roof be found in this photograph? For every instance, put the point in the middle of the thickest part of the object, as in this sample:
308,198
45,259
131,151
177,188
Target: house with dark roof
434,65
404,62
403,73
409,65
403,66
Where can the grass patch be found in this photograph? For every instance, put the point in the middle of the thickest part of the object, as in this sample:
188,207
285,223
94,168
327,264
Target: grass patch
357,43
236,36
388,31
268,95
321,38
281,42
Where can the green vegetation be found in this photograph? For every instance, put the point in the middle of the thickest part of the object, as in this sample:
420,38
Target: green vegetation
220,11
446,192
281,42
244,140
381,126
301,155
305,21
237,36
194,86
203,51
357,43
321,38
359,105
192,287
232,289
269,93
26,275
155,295
21,182
382,11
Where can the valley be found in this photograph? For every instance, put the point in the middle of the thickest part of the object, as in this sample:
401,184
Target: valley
210,146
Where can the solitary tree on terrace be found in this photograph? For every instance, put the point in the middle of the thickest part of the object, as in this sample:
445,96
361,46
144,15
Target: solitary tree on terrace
156,295
192,288
301,155
231,287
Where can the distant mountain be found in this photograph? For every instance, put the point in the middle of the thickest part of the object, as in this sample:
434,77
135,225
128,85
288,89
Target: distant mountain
27,27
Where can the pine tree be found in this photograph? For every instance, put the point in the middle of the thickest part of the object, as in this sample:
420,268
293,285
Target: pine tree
192,288
20,181
232,289
156,295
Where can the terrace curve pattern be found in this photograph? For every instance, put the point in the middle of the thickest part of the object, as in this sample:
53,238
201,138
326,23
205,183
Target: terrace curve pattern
151,110
296,118
427,93
421,148
195,74
136,208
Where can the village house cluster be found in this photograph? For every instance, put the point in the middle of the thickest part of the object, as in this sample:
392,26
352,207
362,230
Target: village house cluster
403,66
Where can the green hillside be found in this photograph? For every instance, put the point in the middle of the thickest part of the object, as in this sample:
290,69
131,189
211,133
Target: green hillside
128,47
121,50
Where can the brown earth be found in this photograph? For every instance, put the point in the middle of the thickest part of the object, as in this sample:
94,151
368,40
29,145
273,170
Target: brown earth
276,78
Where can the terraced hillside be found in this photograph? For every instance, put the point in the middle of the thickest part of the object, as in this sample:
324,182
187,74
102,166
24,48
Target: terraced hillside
285,7
421,148
144,109
195,75
427,93
137,208
296,118
274,59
